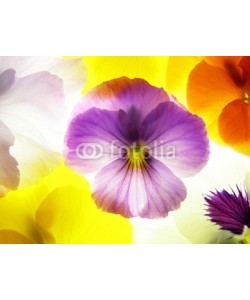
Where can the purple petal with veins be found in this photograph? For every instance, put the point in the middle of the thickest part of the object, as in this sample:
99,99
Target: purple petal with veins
168,127
149,192
124,94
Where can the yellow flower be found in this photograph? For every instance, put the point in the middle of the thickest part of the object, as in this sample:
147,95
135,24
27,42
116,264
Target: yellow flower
59,210
104,68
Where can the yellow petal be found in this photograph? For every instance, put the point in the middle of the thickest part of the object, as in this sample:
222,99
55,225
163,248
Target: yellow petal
69,215
59,210
13,237
178,70
104,68
18,208
17,215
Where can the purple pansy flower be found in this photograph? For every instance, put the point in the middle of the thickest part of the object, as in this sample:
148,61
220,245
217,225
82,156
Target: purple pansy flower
140,143
229,210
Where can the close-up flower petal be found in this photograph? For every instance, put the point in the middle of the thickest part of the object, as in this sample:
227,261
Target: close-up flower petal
177,138
33,109
105,68
9,173
149,192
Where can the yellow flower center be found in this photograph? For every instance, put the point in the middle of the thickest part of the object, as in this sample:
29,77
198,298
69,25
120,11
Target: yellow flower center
137,155
246,97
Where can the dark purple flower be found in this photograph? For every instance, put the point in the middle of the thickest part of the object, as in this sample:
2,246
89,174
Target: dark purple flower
140,142
229,210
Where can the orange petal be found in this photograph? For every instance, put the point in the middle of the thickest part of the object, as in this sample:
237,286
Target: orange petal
230,64
222,61
234,126
209,90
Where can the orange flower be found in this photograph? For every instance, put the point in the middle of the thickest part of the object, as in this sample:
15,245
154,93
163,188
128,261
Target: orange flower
218,90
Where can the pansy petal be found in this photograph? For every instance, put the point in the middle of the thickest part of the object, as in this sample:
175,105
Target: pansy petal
33,107
178,70
70,70
34,160
230,64
13,237
149,192
9,174
35,104
95,138
69,215
7,78
17,208
236,134
209,90
136,97
17,215
177,138
25,65
104,68
160,231
64,199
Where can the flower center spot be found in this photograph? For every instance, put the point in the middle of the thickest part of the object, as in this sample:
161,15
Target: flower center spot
138,154
246,98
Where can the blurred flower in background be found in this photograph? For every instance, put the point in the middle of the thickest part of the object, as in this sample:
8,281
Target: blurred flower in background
33,116
225,170
59,209
217,89
104,68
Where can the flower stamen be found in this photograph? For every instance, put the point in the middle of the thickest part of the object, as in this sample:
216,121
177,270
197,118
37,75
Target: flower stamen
246,98
137,155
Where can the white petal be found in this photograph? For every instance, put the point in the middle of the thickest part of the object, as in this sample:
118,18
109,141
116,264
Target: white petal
33,108
34,160
157,231
247,181
9,174
70,70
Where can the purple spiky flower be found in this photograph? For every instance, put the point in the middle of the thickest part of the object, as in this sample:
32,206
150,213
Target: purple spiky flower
229,209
